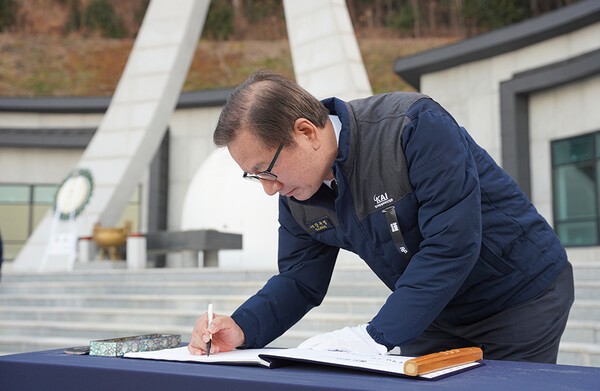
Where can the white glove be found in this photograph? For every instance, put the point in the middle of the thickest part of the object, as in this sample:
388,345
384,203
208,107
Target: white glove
349,339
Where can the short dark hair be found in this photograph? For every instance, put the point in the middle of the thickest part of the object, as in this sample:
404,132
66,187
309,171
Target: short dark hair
267,104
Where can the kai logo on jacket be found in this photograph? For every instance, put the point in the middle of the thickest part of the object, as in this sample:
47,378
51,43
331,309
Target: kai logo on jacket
382,199
320,225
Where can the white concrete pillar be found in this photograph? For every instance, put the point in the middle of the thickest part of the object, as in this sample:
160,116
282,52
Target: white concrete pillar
136,251
136,119
325,52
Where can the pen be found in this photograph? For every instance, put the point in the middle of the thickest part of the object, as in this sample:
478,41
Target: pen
210,318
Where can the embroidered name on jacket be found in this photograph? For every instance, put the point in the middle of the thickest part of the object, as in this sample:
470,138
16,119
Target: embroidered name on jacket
320,225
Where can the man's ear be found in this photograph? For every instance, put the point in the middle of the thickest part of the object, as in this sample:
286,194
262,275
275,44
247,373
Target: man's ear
307,131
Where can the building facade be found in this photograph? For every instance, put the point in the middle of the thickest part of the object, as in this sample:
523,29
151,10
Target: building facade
530,95
42,139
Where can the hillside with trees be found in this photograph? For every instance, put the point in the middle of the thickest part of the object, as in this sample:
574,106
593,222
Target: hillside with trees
79,47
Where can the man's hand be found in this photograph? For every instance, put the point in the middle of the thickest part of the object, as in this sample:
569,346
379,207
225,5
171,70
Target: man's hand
226,335
348,339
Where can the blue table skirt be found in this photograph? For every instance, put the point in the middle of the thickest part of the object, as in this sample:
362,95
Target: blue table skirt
53,370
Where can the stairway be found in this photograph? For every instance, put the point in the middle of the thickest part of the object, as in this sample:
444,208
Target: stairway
55,310
580,343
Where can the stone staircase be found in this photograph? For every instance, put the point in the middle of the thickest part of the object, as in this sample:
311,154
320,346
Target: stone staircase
580,344
55,310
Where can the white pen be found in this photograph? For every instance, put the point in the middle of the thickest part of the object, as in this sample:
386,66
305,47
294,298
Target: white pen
210,319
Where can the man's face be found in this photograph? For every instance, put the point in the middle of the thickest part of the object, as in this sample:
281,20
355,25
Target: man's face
300,168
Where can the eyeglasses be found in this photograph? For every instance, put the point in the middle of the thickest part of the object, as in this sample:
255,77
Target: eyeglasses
266,175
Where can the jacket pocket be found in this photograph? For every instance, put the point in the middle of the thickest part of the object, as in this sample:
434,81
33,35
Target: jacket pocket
491,255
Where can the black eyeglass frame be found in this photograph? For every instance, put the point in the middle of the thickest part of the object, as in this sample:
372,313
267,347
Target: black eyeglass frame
266,175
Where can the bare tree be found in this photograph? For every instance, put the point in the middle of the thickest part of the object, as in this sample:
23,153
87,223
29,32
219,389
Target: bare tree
416,18
457,21
240,22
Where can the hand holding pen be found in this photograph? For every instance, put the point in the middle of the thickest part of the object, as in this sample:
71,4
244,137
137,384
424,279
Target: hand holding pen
216,333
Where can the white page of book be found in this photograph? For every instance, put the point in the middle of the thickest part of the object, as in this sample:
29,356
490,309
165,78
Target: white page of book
379,363
241,356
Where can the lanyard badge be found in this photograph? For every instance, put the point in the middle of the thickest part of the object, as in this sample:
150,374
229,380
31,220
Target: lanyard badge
397,238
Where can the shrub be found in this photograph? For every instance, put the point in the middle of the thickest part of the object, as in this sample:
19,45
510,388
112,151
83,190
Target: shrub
100,16
8,14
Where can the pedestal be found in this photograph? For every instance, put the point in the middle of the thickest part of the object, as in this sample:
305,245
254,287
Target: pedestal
136,251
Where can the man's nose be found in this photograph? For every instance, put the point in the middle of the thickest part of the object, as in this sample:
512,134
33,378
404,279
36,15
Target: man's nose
271,187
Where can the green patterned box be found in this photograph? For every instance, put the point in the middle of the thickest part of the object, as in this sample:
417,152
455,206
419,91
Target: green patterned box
139,343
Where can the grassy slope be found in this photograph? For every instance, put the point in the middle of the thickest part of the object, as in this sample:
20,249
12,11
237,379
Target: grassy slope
73,66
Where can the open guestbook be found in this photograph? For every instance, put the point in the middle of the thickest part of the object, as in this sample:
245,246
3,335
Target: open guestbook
432,366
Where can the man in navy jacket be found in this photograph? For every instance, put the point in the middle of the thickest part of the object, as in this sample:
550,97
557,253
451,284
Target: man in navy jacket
393,178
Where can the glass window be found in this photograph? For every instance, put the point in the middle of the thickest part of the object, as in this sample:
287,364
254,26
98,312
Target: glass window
576,191
14,194
44,194
578,234
576,188
130,213
22,208
572,150
15,222
37,214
